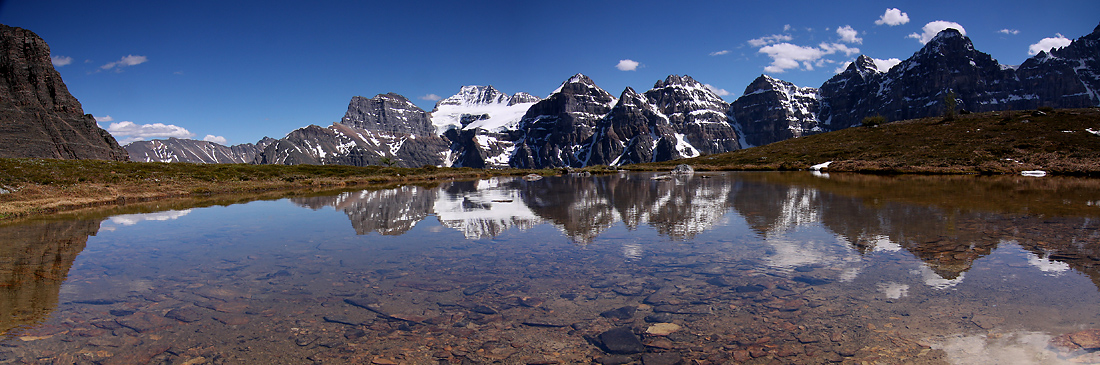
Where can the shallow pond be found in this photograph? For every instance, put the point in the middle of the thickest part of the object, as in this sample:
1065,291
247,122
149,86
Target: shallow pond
715,268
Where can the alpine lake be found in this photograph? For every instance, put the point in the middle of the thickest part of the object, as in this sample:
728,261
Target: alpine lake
710,268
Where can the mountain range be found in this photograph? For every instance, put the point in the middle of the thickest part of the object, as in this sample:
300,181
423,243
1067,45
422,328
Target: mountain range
579,124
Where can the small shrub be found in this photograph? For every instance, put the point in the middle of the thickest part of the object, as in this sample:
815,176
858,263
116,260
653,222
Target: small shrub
949,106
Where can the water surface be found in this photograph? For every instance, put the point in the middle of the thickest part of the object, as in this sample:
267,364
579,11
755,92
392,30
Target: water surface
749,267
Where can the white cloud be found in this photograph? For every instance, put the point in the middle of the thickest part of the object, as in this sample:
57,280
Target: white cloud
106,118
893,17
627,65
59,61
1046,44
786,56
715,90
831,48
786,27
129,60
719,53
887,64
771,39
132,219
216,139
932,28
849,35
1009,31
842,67
127,131
432,97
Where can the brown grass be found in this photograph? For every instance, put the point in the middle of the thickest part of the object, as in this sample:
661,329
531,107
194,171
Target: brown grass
983,143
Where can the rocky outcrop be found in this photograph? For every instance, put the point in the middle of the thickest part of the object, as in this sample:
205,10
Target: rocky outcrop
388,113
554,129
696,114
194,151
772,110
634,131
38,116
385,130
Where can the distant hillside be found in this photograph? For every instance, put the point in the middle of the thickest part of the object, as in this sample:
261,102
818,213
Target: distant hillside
1064,141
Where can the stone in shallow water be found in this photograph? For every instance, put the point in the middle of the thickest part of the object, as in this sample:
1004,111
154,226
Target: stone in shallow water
662,329
663,358
188,314
1088,340
626,312
621,340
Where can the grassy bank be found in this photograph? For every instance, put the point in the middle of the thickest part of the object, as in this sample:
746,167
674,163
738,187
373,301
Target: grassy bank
42,186
1056,141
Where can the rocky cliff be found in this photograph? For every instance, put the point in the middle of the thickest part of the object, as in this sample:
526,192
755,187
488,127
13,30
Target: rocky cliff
38,116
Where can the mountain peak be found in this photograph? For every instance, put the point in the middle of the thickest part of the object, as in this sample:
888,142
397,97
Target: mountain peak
476,95
949,40
676,80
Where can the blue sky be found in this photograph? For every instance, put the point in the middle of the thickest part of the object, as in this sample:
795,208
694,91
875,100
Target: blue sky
237,71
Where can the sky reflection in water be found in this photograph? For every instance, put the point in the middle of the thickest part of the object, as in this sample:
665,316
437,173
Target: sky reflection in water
831,255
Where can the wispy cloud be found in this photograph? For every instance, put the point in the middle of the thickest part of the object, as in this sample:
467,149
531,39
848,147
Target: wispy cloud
715,90
932,28
770,39
216,139
127,131
849,35
129,60
719,53
893,17
1046,44
627,65
59,61
105,118
1009,31
786,56
432,97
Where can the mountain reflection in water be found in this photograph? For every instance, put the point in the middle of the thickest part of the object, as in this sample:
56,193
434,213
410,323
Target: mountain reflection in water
772,266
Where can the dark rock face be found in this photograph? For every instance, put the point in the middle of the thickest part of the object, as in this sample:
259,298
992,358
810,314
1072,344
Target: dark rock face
773,110
194,151
1068,77
633,132
38,116
389,113
843,110
696,113
522,97
554,129
479,148
387,129
678,118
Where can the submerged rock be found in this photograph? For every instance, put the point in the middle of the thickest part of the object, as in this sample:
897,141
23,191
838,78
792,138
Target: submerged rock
621,340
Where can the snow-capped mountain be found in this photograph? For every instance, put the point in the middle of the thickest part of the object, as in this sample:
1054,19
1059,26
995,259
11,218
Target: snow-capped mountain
477,122
580,124
481,107
773,110
195,151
